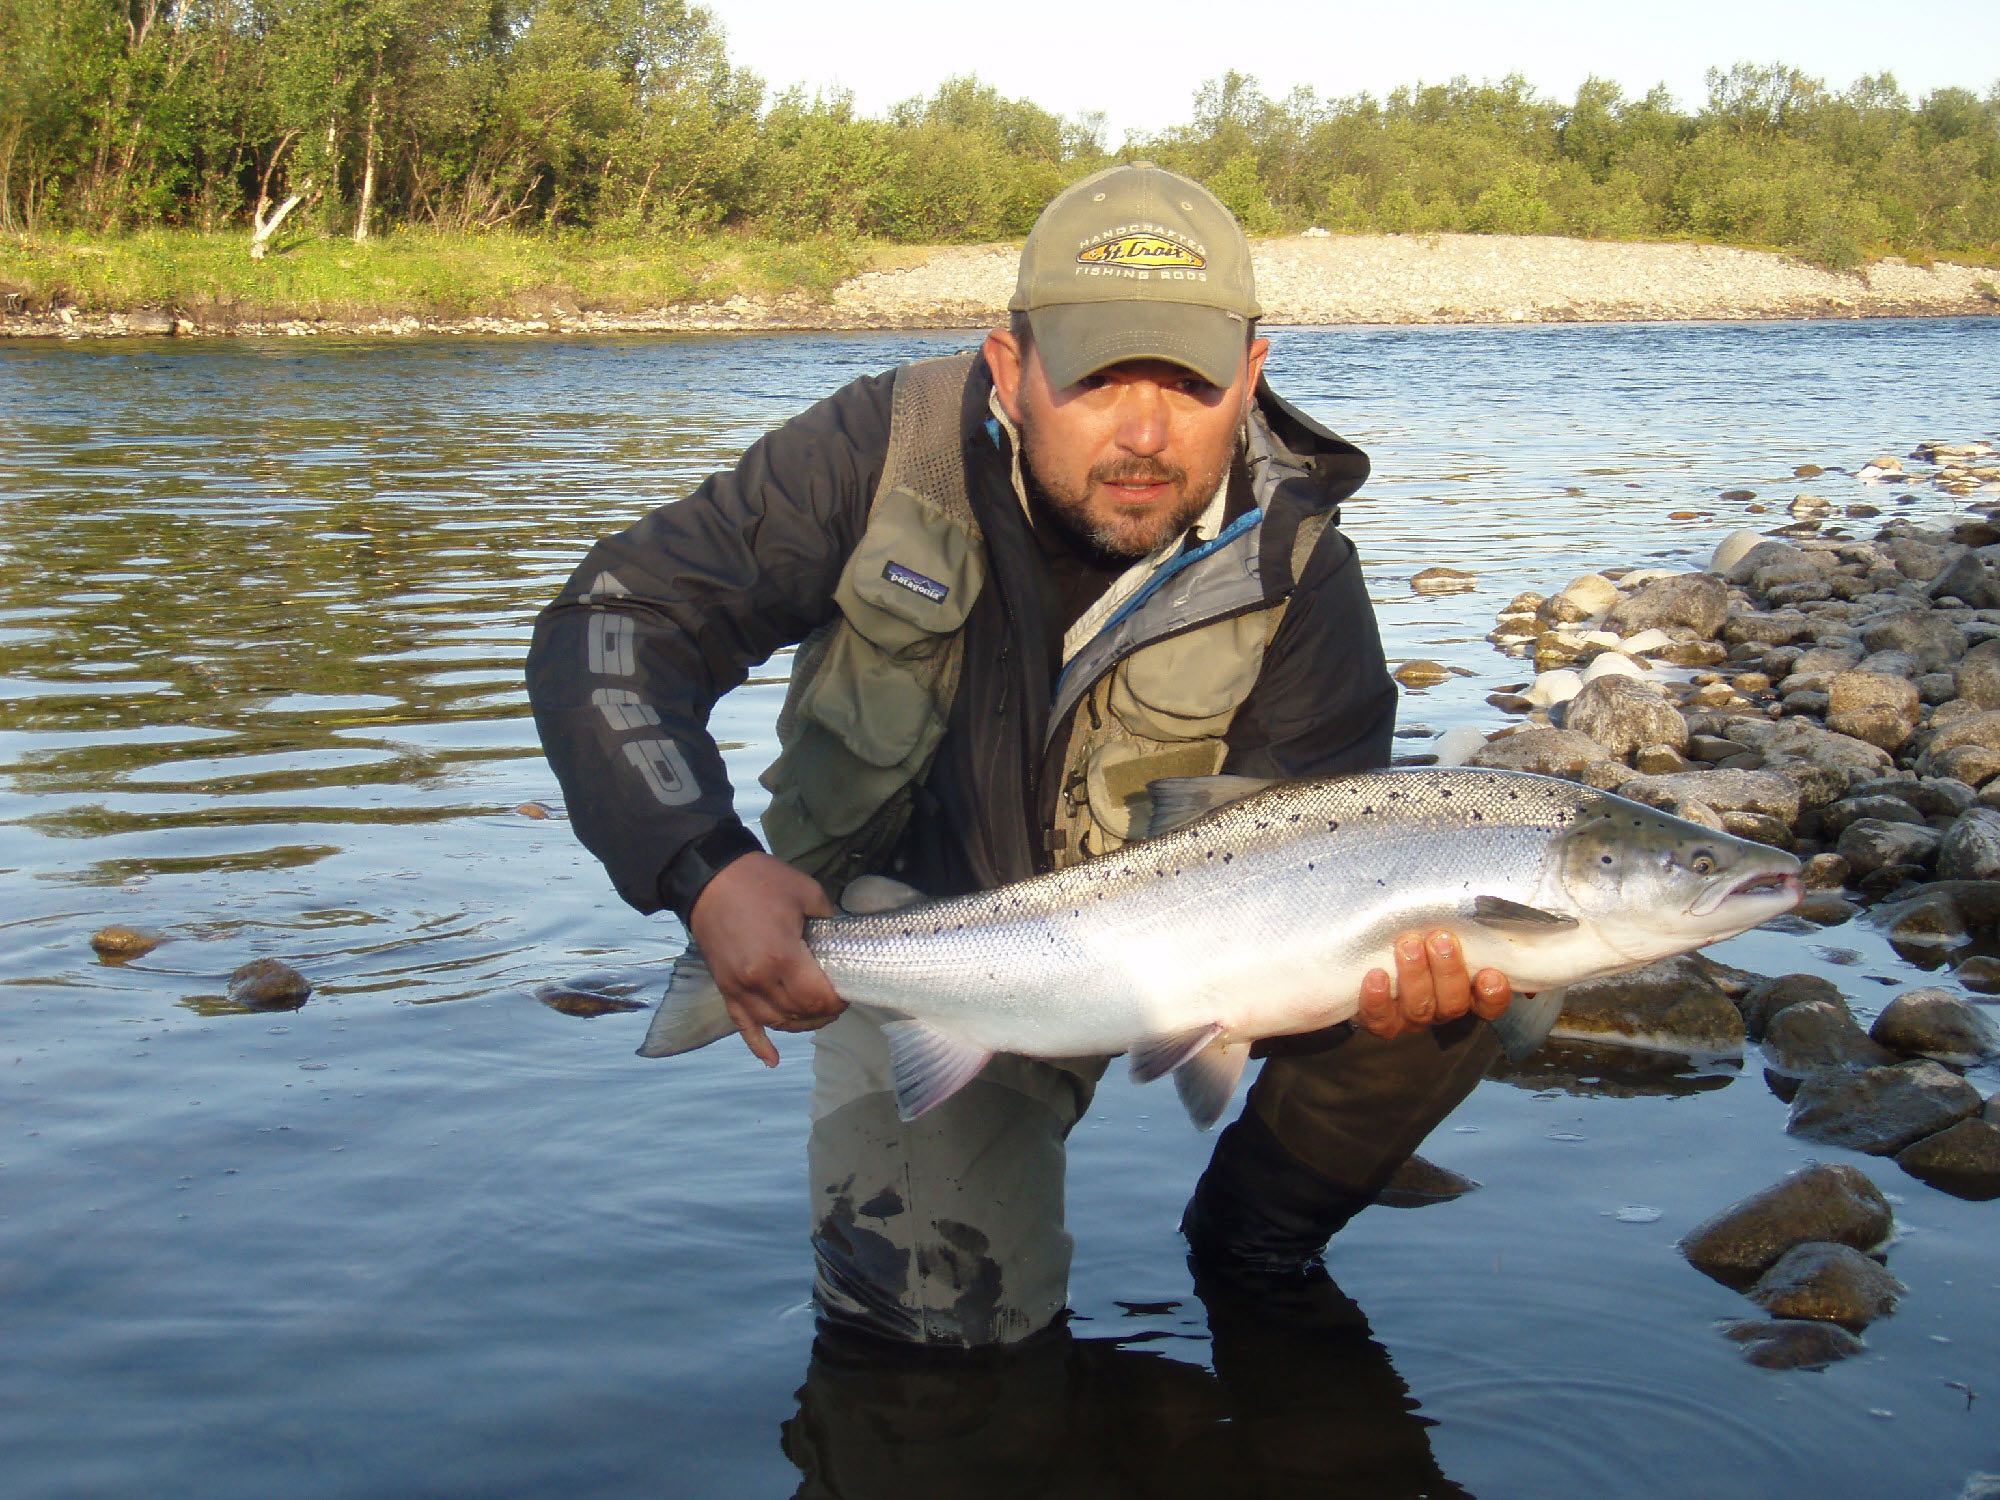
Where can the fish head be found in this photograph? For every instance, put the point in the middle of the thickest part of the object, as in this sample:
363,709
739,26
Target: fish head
1652,884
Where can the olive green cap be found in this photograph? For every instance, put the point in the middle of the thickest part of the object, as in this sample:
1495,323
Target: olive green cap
1137,262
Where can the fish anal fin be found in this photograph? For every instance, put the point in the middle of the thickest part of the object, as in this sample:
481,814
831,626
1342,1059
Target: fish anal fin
1207,1081
1511,916
1178,800
1527,1022
866,895
929,1067
1157,1056
691,1013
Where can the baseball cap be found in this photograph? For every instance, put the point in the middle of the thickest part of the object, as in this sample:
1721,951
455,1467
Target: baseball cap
1136,262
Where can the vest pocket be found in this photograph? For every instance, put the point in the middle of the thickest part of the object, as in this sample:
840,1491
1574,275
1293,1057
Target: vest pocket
1190,686
912,579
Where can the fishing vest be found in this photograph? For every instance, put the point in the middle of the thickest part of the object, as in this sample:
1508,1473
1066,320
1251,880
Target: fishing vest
872,690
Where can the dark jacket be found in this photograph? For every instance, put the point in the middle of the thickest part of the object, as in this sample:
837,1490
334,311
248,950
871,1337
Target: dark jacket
663,619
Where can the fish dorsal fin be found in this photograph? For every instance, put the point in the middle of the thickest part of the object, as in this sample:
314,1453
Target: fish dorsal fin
1207,1081
1157,1056
1511,916
869,894
1178,800
929,1066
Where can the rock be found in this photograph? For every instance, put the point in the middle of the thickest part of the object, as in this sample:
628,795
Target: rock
1962,1159
1976,675
1810,505
1763,792
1689,653
1825,909
1760,828
1981,729
584,1004
1696,601
1932,641
1767,997
1791,1344
1972,580
1937,796
1551,688
1869,706
1881,1110
1622,714
1584,598
1827,1201
1836,817
1825,872
1970,849
1813,1036
1733,548
1921,559
1419,1183
1870,843
119,943
1713,748
1975,765
1818,666
1422,674
1828,1282
536,810
1660,760
1936,1024
1646,642
267,984
1777,628
1444,581
1823,764
1980,974
1552,752
1614,664
1921,924
1458,744
1669,1006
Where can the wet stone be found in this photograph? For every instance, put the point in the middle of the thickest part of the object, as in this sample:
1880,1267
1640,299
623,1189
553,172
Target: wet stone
1936,1024
1970,849
1807,1038
1881,1110
1672,1005
1827,1201
121,942
1768,997
1444,581
268,984
585,1004
1826,909
1794,1344
1836,817
1868,844
1828,1282
1963,1159
1419,1183
1696,601
1980,974
1825,872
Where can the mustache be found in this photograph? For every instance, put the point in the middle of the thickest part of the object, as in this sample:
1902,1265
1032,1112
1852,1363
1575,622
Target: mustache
1138,471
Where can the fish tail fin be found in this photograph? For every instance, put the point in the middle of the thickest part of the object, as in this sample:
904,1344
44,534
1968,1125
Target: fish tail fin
1527,1022
691,1013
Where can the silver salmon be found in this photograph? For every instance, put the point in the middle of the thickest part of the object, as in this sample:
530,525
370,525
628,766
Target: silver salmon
1254,909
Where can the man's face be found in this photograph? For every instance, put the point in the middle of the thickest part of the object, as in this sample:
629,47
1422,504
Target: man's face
1127,457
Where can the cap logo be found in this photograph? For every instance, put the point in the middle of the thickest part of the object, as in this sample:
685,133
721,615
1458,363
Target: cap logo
1145,251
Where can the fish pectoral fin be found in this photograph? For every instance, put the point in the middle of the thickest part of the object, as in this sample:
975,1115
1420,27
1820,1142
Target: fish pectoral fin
691,1013
1178,800
866,895
1157,1056
1527,1022
929,1067
1511,916
1207,1081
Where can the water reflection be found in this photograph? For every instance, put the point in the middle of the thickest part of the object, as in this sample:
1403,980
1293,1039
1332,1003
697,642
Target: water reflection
1301,1400
1588,1070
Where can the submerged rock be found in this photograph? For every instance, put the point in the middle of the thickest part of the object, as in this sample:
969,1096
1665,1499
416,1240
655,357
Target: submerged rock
1444,581
118,942
267,984
1790,1344
1829,1201
1419,1183
1881,1110
1767,997
1669,1006
1936,1024
1806,1039
1829,1282
1963,1159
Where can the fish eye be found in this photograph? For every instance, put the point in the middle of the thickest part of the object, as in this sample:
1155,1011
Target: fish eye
1703,862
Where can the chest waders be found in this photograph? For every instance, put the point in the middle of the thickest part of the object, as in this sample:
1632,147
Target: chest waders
949,1229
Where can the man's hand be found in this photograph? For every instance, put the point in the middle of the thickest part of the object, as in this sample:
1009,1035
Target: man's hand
1431,986
749,923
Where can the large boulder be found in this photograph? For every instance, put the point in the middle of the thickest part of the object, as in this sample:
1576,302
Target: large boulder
1963,1159
1936,1024
1872,706
1825,765
1670,1006
1972,580
1624,714
1977,675
1801,1040
1881,1110
1870,844
1830,1283
1552,752
1931,640
1828,1201
1696,601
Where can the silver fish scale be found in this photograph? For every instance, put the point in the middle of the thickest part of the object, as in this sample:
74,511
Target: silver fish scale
1243,891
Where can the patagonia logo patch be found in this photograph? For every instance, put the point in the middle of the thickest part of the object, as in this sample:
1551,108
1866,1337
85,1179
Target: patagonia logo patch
915,582
1143,252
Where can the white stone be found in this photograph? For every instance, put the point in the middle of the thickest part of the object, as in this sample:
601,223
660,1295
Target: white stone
1555,687
1732,549
1458,745
1614,664
1651,639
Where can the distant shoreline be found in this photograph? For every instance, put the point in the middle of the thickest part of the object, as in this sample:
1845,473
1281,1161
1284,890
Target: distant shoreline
1324,280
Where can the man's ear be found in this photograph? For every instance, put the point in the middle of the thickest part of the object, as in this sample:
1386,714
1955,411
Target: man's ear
1253,371
1004,359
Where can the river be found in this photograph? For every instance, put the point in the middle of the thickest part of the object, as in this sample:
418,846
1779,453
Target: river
262,612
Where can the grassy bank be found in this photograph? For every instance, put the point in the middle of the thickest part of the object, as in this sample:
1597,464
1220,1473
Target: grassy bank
413,273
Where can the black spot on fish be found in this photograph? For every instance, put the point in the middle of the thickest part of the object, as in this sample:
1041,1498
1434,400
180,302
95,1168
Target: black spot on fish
1227,858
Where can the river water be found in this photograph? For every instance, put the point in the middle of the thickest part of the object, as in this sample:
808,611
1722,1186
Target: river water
262,614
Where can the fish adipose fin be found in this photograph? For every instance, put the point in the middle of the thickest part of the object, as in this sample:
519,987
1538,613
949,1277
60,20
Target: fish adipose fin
1528,1022
1178,800
1511,916
929,1066
691,1012
1158,1056
1207,1081
869,894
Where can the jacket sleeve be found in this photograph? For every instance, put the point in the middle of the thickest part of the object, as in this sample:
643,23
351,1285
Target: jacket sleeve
664,618
1324,702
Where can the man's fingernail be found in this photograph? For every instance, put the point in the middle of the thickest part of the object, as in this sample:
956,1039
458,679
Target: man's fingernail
1410,949
1442,945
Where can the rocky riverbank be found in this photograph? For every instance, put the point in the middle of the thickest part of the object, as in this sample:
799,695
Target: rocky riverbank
1830,686
1311,279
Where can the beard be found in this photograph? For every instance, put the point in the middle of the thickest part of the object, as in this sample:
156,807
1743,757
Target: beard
1105,532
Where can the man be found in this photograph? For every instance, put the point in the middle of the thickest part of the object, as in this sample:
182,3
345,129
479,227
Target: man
1023,587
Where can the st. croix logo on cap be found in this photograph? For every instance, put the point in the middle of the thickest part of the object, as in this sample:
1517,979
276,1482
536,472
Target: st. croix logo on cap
1144,252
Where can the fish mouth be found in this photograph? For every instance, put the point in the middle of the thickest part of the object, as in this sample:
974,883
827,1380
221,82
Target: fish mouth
1774,882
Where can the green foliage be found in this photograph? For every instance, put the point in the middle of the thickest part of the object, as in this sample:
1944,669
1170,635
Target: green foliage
624,120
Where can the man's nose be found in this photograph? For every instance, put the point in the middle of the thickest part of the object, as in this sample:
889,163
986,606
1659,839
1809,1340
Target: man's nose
1142,417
